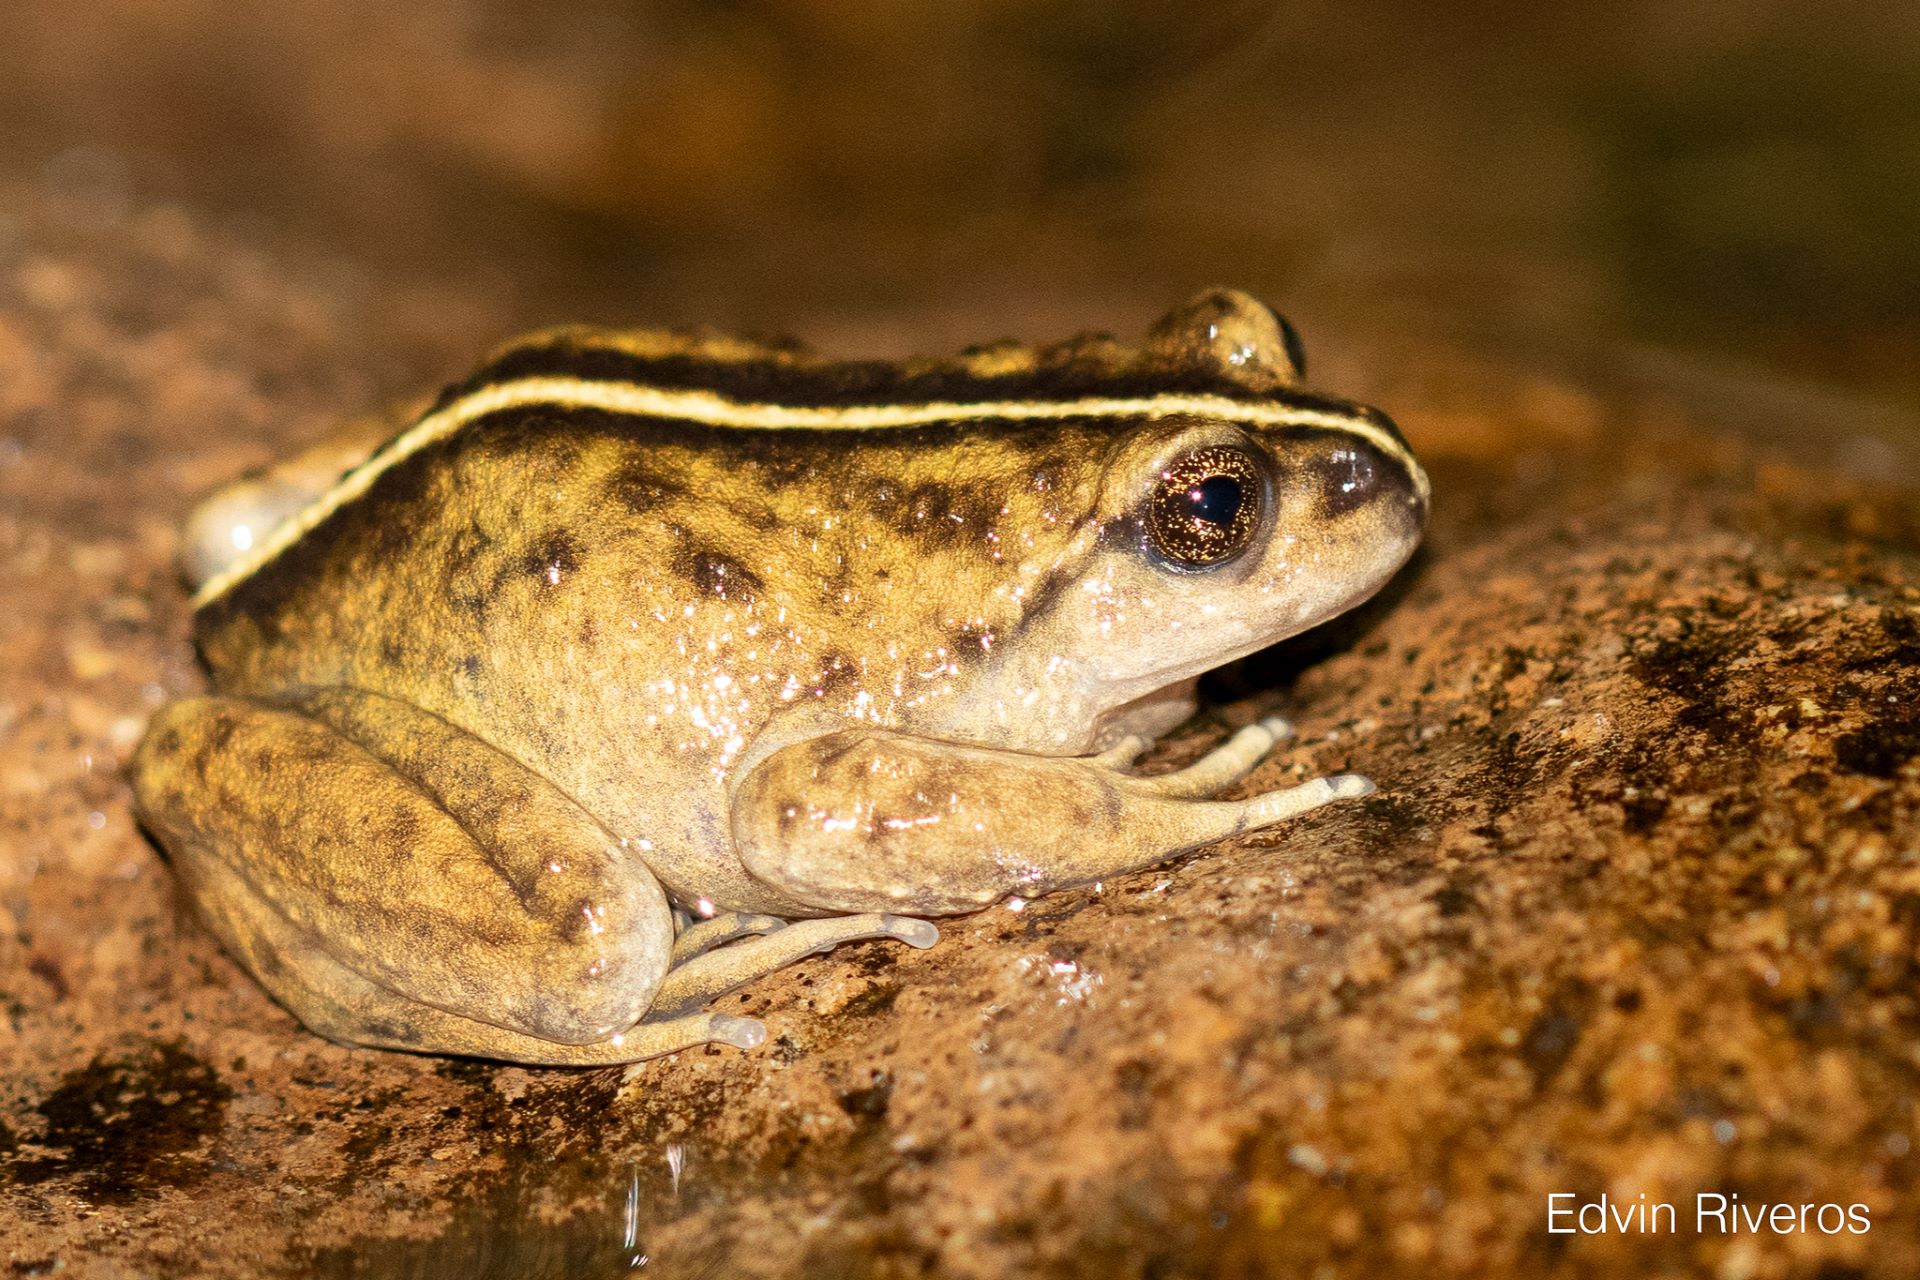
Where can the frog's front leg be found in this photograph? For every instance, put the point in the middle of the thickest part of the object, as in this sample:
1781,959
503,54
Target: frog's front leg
867,820
397,882
1228,762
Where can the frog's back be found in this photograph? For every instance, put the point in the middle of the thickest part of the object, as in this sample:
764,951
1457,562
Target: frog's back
677,534
623,547
655,443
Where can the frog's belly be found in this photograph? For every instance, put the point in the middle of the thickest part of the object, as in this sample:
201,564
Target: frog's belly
705,885
672,811
678,824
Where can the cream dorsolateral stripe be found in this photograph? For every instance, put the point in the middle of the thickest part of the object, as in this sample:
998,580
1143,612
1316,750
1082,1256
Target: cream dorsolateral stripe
709,409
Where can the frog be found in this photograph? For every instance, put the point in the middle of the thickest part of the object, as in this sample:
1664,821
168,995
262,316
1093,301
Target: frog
639,665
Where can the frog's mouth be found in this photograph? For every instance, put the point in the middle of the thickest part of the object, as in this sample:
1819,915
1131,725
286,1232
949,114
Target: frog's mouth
1128,690
1221,638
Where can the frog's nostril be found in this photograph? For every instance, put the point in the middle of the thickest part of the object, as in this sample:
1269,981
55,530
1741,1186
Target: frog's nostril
1350,476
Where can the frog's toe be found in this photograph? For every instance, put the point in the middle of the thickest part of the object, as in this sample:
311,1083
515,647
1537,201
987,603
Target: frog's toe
703,936
741,1033
1226,763
712,974
1124,752
1279,726
1277,806
918,934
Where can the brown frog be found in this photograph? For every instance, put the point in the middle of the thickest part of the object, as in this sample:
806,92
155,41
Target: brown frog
640,665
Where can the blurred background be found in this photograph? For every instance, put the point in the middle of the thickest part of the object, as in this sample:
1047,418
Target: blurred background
1736,181
1505,221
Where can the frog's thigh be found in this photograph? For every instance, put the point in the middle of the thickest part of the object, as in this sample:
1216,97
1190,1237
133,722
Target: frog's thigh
869,820
338,1003
412,854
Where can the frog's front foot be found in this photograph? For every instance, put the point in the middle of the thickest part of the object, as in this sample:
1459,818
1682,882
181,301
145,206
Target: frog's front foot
1233,760
1226,763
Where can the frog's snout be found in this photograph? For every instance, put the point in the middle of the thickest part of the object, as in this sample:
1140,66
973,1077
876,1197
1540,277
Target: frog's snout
1352,478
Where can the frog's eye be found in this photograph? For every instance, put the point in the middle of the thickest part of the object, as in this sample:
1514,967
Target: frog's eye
1205,507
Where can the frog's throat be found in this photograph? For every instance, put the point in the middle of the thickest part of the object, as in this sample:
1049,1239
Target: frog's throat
711,409
1087,702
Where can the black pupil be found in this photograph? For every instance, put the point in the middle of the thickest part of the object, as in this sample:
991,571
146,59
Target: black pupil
1215,500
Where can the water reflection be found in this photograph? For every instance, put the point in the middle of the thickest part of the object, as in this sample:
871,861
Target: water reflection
511,1229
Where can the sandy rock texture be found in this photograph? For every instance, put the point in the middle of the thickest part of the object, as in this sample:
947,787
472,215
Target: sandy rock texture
1635,911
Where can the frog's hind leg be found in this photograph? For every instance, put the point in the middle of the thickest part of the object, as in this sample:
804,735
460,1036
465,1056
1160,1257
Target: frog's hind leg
702,936
233,520
713,973
398,881
340,1004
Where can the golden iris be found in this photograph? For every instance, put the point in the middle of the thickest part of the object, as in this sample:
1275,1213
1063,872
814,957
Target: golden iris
1205,508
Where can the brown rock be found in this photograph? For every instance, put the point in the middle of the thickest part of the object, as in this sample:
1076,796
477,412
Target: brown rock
1635,911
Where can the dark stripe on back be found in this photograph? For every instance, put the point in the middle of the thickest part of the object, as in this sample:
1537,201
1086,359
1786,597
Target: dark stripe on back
835,385
533,420
780,453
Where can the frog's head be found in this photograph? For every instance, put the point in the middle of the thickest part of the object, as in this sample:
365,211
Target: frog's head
1235,511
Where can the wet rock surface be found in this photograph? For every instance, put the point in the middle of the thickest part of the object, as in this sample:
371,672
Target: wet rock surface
1635,911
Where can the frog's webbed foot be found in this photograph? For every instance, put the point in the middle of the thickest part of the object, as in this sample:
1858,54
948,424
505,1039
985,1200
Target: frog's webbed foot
695,982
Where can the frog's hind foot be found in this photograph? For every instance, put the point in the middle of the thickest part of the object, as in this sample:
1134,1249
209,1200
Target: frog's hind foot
1229,762
714,972
702,936
346,1007
361,1014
